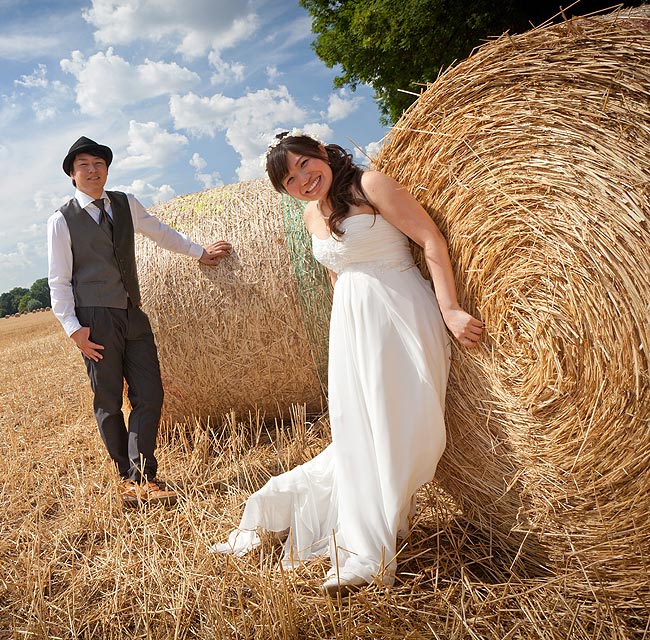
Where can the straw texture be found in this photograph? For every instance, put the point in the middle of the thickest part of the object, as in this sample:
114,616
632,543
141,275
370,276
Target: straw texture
313,289
533,156
231,336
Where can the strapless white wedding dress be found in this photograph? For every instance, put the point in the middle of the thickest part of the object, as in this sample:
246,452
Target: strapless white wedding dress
388,368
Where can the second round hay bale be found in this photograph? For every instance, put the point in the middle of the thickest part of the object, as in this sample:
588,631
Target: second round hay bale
230,337
533,156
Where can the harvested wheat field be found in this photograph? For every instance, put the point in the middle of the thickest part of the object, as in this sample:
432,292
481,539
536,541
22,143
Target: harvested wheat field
75,564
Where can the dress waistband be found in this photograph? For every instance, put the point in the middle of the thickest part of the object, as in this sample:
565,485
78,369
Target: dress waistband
380,266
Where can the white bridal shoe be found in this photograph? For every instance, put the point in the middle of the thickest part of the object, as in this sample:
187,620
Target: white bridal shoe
344,583
240,542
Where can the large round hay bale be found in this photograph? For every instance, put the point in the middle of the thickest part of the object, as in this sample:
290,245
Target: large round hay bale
533,156
233,337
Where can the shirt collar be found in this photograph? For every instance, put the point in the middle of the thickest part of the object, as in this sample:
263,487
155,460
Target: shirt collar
84,199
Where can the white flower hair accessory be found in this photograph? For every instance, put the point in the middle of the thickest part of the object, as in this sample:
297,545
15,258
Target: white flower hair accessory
294,133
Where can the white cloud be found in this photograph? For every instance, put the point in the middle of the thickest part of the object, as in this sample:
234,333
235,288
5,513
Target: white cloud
47,202
44,112
150,146
202,116
9,110
372,149
247,121
291,33
147,193
198,162
319,131
341,106
368,154
53,94
37,79
272,73
52,101
106,81
24,262
208,180
23,255
19,258
226,72
192,27
26,46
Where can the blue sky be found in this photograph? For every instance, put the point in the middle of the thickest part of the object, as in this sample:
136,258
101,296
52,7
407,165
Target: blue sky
187,93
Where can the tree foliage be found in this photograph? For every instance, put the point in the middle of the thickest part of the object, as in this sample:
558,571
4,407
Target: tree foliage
397,47
40,291
9,301
20,299
27,304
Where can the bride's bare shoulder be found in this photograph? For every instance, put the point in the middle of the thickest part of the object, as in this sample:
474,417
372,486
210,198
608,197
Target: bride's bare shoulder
376,180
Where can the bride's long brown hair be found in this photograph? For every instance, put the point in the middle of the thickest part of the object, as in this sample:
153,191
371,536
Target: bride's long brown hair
346,190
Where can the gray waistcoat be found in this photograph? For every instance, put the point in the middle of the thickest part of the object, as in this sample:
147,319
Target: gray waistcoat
103,273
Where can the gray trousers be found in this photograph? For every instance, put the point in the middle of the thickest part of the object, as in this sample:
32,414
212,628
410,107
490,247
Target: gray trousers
129,354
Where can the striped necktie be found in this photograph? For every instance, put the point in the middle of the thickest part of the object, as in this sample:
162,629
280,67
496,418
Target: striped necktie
104,220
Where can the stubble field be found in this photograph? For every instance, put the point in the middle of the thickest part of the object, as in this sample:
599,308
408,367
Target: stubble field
76,564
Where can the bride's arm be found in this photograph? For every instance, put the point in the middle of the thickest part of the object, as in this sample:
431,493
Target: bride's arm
401,209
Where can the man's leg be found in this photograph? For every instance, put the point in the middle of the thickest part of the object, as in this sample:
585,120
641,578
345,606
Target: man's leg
108,328
142,373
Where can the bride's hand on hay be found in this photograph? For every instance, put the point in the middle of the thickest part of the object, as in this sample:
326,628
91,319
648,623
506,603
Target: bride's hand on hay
465,327
215,252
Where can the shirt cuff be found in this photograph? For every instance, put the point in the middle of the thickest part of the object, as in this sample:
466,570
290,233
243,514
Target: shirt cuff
196,250
70,325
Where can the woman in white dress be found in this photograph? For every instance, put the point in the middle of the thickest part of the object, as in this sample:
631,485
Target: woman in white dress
388,368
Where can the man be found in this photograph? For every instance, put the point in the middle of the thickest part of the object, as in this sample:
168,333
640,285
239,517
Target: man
95,295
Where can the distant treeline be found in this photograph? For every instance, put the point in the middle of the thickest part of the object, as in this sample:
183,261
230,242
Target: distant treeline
22,300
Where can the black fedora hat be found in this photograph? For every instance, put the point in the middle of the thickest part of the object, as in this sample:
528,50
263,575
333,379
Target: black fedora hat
86,145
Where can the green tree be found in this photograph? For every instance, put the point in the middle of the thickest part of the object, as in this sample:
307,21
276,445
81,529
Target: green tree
19,299
27,303
395,47
41,291
9,300
33,304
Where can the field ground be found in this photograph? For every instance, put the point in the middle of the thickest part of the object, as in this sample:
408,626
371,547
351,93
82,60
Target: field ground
75,564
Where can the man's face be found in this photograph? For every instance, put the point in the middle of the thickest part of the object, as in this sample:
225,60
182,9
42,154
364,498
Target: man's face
90,173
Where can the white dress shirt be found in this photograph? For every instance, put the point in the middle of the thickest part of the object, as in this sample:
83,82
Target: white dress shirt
59,250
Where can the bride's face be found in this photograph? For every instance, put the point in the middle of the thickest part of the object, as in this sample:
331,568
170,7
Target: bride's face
307,178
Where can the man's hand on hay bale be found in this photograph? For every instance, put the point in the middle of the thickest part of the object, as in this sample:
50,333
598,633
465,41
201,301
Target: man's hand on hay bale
215,252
